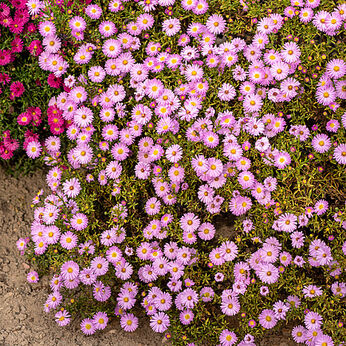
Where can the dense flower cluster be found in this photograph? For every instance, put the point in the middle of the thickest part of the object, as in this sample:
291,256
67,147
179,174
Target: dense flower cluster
169,122
20,48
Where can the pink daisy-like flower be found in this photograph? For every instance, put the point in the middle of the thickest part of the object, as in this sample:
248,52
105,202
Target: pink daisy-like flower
72,187
287,222
77,23
100,320
99,265
189,222
171,26
96,74
129,322
228,338
159,322
268,273
215,167
125,62
340,154
297,239
110,133
240,205
33,149
188,298
112,48
279,70
52,144
252,103
229,250
206,231
115,6
87,326
82,154
193,73
69,270
290,52
47,28
216,24
68,240
227,92
233,151
313,321
134,29
79,221
176,174
107,28
163,301
120,151
216,257
336,68
174,153
24,119
323,340
246,179
280,309
282,160
32,277
230,306
78,94
265,26
113,170
333,23
62,318
207,294
210,139
321,143
312,291
51,233
52,44
267,319
325,95
87,276
93,11
321,207
34,7
332,126
306,14
152,206
145,21
299,334
186,317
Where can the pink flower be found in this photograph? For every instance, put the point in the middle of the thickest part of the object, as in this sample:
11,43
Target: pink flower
17,89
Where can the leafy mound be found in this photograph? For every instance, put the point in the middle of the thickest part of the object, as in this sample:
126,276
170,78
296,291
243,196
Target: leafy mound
180,113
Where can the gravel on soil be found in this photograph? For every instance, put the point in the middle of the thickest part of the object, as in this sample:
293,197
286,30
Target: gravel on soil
22,319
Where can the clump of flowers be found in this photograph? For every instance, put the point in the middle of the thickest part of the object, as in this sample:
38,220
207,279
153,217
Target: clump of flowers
24,87
175,118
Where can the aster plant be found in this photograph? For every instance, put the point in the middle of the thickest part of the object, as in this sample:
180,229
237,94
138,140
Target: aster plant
24,87
179,113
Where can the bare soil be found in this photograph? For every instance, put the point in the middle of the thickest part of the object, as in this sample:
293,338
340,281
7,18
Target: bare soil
22,319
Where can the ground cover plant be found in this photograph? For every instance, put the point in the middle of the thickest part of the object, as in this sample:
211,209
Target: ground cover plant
178,113
24,86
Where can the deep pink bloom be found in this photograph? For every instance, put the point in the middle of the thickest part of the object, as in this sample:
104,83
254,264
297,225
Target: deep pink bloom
53,81
17,89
